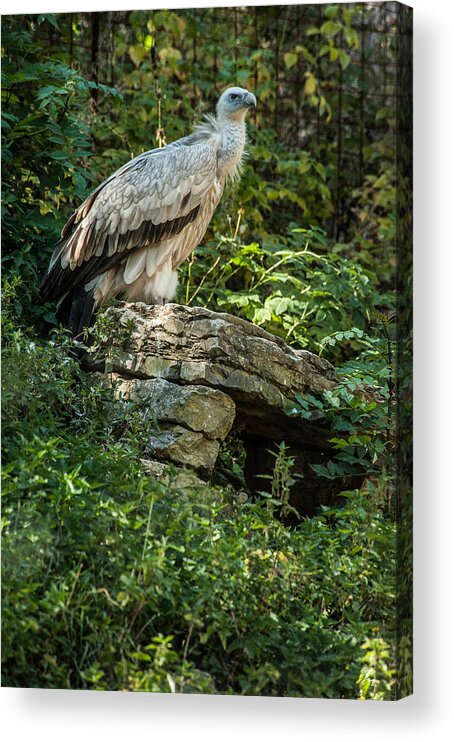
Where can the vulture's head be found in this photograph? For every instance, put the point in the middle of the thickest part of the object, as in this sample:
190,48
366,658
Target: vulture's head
234,103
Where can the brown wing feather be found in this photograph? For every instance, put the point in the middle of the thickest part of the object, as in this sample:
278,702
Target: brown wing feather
60,280
150,199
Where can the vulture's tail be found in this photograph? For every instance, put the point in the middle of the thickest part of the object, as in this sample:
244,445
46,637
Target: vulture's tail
76,310
75,306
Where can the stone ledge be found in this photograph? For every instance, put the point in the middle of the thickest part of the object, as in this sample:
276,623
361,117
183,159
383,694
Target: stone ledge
196,347
196,374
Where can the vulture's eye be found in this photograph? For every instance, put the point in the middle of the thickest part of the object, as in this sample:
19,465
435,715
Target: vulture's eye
233,96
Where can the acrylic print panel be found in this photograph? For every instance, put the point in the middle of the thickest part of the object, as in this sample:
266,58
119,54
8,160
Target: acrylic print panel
208,489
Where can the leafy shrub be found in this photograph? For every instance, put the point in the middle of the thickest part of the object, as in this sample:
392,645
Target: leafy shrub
298,287
100,562
46,141
112,579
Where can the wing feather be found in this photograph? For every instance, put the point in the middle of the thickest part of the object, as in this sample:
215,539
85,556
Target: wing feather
146,201
135,265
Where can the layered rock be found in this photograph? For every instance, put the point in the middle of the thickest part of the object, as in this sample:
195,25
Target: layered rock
199,373
193,420
195,346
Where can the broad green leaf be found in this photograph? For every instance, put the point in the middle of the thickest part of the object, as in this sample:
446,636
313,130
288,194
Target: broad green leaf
331,11
331,28
290,59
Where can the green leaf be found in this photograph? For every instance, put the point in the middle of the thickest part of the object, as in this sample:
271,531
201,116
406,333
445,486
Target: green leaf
290,59
331,11
331,28
344,59
137,52
351,36
305,53
310,85
141,656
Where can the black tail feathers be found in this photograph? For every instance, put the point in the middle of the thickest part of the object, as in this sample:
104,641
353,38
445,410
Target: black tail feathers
76,310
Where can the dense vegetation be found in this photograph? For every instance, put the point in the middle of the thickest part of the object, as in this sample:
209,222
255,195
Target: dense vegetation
111,578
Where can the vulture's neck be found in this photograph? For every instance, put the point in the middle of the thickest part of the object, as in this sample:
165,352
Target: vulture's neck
231,149
228,138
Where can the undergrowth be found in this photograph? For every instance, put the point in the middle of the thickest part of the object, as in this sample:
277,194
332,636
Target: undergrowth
114,580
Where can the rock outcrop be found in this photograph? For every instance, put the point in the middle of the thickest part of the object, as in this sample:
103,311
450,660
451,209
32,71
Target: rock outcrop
193,420
199,374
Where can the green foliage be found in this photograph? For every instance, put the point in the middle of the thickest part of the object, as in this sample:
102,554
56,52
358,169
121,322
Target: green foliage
376,679
114,580
282,481
45,144
100,562
360,409
298,287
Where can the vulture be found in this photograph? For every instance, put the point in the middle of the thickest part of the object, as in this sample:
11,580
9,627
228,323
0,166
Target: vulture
133,231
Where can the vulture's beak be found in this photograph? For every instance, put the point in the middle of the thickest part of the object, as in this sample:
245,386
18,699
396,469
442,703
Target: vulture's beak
250,100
